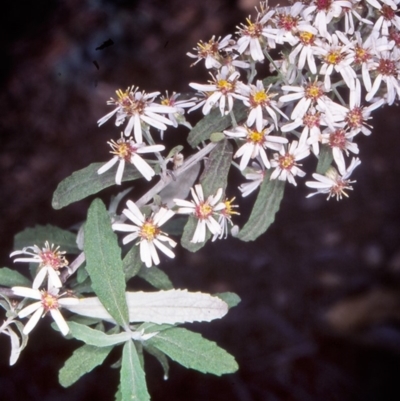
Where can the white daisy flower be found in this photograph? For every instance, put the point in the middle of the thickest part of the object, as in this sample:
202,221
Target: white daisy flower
388,18
50,260
147,230
138,107
225,219
223,89
304,51
203,211
210,51
256,143
252,36
332,183
256,177
47,301
285,164
340,141
258,98
127,151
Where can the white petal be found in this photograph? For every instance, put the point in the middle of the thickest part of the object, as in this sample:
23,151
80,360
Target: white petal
32,322
61,323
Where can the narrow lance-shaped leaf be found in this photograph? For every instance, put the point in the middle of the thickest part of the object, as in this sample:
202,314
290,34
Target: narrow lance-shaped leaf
193,351
263,213
83,360
86,182
132,380
214,176
171,307
38,235
214,122
96,337
324,159
11,278
104,264
160,356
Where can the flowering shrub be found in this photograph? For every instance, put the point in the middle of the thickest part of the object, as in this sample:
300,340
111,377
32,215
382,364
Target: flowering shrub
331,63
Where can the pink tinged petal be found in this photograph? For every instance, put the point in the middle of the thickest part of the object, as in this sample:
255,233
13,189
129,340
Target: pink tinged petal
130,238
134,213
32,322
107,117
60,321
143,167
124,227
200,232
153,253
151,149
185,203
53,278
27,292
129,126
108,165
120,172
28,310
145,255
164,249
138,129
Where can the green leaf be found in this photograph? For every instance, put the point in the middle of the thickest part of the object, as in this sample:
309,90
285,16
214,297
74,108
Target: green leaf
215,174
230,298
133,380
96,337
214,122
263,213
324,159
86,182
193,351
214,177
104,264
11,278
156,277
132,263
38,235
160,356
217,136
83,360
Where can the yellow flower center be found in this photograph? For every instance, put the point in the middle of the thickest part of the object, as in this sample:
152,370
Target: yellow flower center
228,211
260,97
306,38
253,29
256,136
313,91
149,230
203,211
225,86
49,301
286,162
334,57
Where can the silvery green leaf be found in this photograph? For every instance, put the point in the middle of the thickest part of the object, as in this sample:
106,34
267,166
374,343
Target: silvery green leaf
263,214
193,351
217,136
38,235
83,360
214,122
96,337
16,347
170,307
325,159
11,278
85,182
104,264
156,277
132,263
180,187
230,298
132,379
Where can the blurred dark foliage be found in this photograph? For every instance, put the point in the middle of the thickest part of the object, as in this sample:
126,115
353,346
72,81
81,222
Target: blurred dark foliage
319,318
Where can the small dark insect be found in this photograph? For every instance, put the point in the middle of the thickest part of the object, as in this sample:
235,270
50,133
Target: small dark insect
107,43
96,64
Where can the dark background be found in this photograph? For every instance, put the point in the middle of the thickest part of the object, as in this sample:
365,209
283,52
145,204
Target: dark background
319,317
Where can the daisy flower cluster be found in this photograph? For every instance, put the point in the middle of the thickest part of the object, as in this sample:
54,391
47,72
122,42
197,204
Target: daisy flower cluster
333,62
